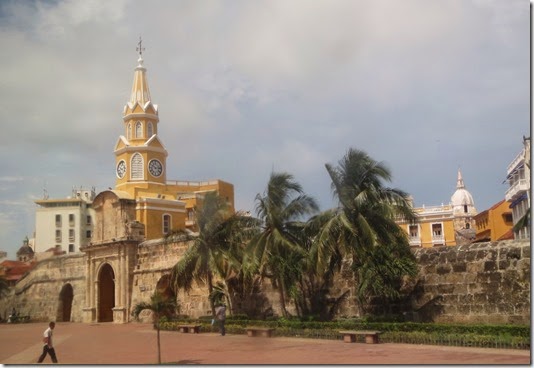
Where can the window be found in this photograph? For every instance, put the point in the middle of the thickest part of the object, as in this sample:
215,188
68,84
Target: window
71,219
166,224
508,218
137,167
71,248
58,220
436,230
414,233
58,236
150,130
71,235
191,215
138,130
465,208
467,225
88,234
89,220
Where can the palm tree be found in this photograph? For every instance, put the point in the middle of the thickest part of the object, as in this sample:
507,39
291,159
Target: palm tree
312,293
238,274
363,225
4,287
276,248
198,261
219,231
160,306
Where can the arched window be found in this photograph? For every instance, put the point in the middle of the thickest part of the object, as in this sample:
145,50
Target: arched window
138,130
166,224
150,130
129,132
137,167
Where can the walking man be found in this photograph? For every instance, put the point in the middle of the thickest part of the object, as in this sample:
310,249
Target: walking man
48,348
220,313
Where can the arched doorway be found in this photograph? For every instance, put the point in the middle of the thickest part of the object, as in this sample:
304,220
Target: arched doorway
163,287
106,293
65,303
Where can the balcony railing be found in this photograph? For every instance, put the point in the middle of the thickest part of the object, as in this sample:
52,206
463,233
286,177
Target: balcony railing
520,156
191,183
415,240
518,188
436,238
189,222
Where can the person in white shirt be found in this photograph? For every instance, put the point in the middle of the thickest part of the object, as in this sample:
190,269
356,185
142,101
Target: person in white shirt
48,348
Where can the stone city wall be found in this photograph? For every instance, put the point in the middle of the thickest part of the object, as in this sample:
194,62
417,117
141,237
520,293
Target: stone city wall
38,293
477,283
154,264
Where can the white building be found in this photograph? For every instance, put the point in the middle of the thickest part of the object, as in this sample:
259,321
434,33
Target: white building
65,224
518,194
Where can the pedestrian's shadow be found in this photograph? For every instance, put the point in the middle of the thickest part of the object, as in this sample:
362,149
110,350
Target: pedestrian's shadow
185,361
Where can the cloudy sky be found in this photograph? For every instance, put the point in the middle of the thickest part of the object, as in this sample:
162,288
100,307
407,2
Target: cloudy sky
248,87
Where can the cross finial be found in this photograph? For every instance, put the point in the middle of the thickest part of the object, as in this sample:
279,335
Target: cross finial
140,47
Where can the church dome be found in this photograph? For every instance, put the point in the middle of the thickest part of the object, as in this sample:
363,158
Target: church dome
461,196
25,249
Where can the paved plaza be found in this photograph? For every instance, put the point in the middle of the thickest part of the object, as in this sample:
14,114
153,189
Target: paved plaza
135,343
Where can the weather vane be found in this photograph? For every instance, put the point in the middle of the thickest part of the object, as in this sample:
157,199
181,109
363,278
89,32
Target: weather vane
140,47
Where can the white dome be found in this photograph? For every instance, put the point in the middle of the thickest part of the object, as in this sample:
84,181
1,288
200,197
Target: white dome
461,196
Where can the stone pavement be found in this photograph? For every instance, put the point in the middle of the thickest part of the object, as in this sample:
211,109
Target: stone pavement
135,343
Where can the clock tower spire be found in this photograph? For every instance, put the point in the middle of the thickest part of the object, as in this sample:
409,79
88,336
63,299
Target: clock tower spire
139,154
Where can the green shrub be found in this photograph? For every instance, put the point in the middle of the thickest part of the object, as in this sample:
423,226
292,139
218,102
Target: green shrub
497,336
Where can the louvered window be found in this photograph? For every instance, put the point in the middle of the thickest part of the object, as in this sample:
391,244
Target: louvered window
150,130
138,130
137,167
166,224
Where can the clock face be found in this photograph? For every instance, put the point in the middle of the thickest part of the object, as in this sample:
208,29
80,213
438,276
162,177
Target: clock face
121,169
155,168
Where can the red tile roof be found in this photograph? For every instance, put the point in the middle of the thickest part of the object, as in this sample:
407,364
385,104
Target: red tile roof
14,270
507,235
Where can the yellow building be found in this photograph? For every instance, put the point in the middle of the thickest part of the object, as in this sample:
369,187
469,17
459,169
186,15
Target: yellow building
141,171
495,223
445,225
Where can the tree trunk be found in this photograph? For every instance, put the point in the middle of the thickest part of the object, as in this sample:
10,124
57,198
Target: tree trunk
159,345
210,290
282,298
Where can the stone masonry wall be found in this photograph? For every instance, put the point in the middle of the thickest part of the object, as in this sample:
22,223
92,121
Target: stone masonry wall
37,294
476,283
155,260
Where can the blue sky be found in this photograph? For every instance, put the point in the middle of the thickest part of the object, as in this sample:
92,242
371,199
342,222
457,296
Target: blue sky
247,87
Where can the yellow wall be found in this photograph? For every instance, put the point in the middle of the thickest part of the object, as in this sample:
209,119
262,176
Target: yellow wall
493,223
442,215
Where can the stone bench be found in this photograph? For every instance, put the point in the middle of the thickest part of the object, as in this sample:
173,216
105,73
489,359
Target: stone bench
371,337
260,331
189,328
19,319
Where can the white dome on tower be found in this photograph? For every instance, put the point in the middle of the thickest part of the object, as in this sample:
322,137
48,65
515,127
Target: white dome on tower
462,197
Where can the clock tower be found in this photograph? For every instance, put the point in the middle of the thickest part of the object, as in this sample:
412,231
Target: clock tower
139,153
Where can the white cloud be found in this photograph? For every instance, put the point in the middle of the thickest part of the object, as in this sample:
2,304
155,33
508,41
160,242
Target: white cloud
243,87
